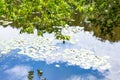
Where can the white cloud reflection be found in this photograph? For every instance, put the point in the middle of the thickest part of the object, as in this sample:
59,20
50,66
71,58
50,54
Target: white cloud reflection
17,73
43,48
82,77
57,65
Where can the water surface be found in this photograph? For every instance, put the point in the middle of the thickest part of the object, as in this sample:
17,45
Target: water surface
14,66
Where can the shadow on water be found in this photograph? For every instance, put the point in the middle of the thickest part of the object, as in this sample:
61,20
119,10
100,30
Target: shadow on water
19,67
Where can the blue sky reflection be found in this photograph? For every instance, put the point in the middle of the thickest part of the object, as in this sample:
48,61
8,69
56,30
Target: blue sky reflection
14,62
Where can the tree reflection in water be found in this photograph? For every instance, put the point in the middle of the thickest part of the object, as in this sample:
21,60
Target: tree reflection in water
110,33
39,73
30,75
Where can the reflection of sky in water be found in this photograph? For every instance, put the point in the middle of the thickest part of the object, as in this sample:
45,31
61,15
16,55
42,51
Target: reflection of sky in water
17,67
61,71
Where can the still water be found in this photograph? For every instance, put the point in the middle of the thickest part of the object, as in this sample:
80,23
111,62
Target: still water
15,63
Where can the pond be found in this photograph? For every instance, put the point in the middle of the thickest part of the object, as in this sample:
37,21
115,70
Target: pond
83,57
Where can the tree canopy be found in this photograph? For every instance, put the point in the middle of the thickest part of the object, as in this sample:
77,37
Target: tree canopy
49,15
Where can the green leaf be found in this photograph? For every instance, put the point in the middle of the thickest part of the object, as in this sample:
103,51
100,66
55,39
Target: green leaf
39,32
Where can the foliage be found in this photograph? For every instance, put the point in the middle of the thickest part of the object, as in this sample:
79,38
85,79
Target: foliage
42,15
47,15
104,16
106,13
